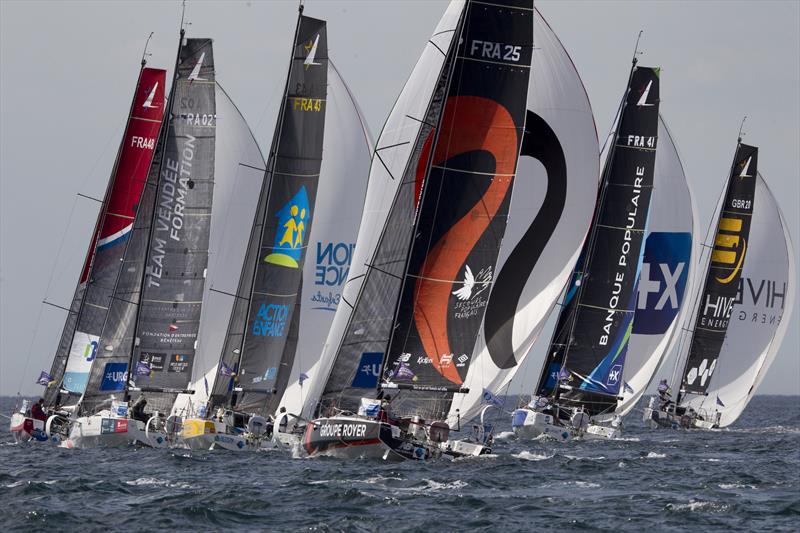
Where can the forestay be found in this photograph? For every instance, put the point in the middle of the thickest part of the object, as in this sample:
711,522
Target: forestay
554,194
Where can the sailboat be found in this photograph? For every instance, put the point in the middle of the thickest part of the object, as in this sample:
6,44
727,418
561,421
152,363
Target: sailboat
742,309
437,203
78,347
146,349
554,194
582,375
299,253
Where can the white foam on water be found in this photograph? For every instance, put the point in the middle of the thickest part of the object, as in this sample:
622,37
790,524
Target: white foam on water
152,481
530,456
584,484
654,455
30,482
712,460
379,479
709,507
575,457
737,485
504,435
435,485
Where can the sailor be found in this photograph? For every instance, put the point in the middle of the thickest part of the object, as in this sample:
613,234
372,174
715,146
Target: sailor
283,420
137,411
664,394
37,411
383,413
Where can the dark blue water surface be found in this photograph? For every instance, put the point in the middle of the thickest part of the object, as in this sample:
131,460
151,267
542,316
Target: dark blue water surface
743,478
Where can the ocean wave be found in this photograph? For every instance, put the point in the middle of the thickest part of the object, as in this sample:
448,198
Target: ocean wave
737,485
530,456
695,506
30,482
152,481
655,455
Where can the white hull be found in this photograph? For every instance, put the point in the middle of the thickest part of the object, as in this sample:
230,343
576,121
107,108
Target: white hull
104,430
534,425
25,429
656,418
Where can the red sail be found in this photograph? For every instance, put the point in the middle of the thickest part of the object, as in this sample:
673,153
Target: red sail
130,173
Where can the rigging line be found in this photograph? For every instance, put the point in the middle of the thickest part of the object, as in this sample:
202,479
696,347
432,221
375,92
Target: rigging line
91,198
421,121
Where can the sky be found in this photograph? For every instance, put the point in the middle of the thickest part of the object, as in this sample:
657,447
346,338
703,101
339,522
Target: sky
67,72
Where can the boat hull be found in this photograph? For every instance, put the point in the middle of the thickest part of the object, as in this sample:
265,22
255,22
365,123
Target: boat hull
655,418
355,437
26,429
529,424
104,430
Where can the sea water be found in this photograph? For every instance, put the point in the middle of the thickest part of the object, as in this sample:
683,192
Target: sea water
743,478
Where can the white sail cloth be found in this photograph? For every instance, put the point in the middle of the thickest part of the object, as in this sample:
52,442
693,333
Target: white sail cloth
557,95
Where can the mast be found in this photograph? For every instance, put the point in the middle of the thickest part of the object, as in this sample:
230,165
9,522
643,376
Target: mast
161,141
582,267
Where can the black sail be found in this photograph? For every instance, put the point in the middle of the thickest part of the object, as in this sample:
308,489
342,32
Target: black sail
370,325
270,328
724,273
171,302
463,206
595,322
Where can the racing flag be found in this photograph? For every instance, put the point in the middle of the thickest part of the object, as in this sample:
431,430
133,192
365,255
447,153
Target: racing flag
490,398
719,402
302,377
143,369
45,379
225,370
563,374
626,387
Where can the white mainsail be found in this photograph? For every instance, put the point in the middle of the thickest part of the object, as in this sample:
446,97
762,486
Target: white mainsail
550,212
760,315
